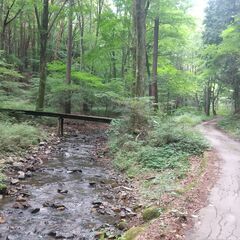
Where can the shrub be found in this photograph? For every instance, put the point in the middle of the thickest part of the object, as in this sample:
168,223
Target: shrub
148,140
231,124
17,136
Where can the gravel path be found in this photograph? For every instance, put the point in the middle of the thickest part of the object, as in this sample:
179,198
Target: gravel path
220,220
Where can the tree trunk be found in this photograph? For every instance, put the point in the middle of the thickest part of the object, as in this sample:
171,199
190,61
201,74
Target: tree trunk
69,56
148,74
236,97
140,46
207,103
114,68
43,56
154,85
82,25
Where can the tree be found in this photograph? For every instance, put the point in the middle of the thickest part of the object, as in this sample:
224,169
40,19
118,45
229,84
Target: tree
154,86
219,14
44,28
7,19
140,26
69,56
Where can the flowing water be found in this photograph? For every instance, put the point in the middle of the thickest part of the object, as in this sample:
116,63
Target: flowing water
65,190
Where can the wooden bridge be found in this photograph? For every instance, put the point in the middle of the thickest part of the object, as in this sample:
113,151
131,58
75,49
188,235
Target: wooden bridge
60,116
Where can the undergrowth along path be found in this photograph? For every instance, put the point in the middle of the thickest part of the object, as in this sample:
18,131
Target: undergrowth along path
220,219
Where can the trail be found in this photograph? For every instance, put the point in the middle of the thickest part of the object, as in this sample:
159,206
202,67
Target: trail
220,219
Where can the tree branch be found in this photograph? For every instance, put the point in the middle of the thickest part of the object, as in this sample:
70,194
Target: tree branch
37,17
18,12
8,12
147,7
56,16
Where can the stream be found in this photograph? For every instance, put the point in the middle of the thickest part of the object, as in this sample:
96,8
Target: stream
69,197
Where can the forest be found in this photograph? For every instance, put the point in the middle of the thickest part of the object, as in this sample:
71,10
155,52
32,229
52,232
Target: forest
167,78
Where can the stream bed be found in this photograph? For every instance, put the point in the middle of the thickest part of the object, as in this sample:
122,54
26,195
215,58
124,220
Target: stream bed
69,197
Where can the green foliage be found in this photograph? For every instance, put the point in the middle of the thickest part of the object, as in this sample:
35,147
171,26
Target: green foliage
85,88
153,142
231,124
18,136
9,79
3,185
132,233
5,72
16,103
150,213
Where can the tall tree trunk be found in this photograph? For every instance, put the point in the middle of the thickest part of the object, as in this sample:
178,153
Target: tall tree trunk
148,74
81,22
140,46
236,97
154,85
134,48
1,25
69,56
207,96
44,28
43,56
114,68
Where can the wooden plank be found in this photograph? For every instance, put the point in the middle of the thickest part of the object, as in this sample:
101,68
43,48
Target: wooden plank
59,115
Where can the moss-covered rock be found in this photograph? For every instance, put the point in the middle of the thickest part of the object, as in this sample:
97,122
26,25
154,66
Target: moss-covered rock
150,213
122,225
3,188
132,233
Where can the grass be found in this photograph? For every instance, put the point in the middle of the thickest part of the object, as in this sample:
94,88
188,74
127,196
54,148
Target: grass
231,124
18,136
17,104
145,144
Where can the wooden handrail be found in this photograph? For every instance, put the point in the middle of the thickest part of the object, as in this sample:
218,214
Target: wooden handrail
60,116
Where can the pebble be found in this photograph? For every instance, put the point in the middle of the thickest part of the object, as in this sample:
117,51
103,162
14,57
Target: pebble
21,175
18,165
92,184
28,174
70,171
62,191
35,210
14,181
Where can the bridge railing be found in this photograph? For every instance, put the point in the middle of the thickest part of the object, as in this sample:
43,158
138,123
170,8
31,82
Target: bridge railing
60,116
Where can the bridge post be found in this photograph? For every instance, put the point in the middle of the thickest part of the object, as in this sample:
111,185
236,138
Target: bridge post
60,126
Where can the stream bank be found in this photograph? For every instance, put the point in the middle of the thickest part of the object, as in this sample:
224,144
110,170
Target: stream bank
72,194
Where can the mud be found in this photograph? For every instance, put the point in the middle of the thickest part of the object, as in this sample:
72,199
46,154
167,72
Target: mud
70,197
220,219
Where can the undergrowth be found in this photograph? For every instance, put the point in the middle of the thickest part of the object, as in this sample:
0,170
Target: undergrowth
231,124
16,136
145,142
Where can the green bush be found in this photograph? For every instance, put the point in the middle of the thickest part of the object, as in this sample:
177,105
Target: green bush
17,136
231,124
162,158
147,140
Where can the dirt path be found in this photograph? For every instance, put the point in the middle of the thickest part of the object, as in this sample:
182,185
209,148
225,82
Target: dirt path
220,220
